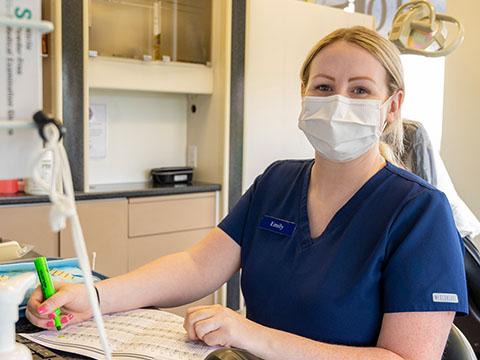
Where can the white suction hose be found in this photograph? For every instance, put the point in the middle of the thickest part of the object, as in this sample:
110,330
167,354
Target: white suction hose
62,196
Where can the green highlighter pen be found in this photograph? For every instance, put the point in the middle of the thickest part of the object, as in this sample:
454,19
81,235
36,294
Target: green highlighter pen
47,285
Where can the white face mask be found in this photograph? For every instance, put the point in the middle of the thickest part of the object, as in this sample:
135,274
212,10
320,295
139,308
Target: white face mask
341,128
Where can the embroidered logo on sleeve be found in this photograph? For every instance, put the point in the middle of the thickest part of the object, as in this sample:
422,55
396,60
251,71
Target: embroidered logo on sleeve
445,298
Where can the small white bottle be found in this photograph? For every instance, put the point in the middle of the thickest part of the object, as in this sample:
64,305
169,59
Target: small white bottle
45,171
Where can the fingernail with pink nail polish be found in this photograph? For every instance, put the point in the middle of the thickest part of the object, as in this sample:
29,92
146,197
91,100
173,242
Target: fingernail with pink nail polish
64,320
42,309
51,316
49,323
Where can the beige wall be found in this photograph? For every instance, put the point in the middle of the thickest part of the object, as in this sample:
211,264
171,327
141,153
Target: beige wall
279,34
461,128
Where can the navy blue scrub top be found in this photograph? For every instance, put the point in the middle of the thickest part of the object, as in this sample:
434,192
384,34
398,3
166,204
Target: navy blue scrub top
393,247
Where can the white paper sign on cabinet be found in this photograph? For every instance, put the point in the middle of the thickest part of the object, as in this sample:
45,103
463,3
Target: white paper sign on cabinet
97,126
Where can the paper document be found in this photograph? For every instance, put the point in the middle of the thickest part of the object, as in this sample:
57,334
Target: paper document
97,127
137,334
20,88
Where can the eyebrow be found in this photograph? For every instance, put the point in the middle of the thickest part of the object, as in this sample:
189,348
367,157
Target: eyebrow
325,76
361,78
351,79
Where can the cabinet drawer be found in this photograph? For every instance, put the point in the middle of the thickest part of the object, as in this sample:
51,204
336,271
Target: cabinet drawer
164,214
142,250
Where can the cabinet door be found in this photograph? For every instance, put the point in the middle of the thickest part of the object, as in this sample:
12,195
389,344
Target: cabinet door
148,248
104,224
29,224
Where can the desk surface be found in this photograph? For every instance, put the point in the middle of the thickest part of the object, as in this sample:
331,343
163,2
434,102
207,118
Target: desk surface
112,191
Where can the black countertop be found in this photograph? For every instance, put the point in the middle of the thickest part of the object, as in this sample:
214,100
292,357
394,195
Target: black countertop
112,191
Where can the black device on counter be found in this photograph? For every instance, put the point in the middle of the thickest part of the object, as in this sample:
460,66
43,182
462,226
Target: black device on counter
172,175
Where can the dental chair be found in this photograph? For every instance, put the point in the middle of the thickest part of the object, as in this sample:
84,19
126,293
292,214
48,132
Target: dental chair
470,325
458,347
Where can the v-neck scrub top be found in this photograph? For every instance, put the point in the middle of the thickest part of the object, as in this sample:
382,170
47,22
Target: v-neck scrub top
393,247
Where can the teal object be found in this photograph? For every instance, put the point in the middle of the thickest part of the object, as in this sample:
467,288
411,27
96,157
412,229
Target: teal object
30,266
61,270
46,284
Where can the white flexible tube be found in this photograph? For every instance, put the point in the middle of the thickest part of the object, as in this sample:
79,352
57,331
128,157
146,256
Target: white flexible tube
63,207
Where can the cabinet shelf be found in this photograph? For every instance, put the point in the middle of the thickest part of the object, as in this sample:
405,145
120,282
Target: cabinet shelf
130,74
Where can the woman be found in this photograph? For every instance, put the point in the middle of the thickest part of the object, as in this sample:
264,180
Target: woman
343,256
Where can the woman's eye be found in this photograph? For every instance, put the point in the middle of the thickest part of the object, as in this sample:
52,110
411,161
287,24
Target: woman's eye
323,87
360,91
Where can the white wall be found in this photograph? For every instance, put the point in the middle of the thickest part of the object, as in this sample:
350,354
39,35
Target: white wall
145,130
424,93
461,130
206,127
279,35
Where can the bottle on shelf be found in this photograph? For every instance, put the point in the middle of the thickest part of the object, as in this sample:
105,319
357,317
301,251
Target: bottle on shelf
157,30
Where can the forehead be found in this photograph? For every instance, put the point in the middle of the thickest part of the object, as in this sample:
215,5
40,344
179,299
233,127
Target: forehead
344,59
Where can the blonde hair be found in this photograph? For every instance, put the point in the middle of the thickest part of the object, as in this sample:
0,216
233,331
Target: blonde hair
391,141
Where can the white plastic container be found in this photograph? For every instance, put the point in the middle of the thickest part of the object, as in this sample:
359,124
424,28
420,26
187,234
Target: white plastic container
11,295
45,169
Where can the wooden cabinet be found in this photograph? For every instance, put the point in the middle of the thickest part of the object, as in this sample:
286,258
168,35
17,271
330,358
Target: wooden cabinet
167,224
147,248
29,224
137,75
181,34
104,224
124,233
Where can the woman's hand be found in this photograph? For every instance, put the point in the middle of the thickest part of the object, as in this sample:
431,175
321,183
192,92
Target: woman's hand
72,299
218,325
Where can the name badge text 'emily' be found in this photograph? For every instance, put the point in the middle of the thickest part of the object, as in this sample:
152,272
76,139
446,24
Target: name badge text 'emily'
278,226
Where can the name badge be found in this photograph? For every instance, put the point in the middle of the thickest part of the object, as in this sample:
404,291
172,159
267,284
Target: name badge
278,226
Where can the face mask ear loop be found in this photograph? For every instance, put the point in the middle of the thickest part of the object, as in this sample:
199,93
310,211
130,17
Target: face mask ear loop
389,101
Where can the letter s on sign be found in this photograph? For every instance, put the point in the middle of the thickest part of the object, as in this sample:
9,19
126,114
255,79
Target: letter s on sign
26,13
